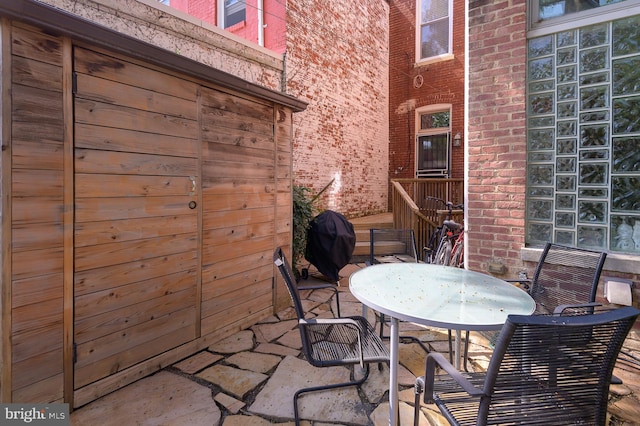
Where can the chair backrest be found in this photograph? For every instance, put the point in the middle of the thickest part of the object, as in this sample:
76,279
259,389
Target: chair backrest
554,369
280,261
566,275
392,245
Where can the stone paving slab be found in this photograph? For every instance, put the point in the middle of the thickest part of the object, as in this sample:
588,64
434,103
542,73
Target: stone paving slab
198,362
162,399
335,405
241,341
236,381
260,363
275,349
250,378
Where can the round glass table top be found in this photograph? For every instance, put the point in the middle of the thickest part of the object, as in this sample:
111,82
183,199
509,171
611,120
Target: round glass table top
439,296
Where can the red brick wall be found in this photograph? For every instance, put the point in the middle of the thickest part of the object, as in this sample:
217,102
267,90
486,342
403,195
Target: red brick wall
443,83
273,20
496,139
497,144
337,60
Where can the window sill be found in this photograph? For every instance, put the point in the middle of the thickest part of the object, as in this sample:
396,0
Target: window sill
434,60
624,263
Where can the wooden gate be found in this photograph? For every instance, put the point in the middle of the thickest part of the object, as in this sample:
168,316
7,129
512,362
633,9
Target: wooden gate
136,214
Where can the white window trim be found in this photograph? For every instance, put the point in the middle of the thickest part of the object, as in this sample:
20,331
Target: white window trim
434,131
418,35
581,19
429,109
220,20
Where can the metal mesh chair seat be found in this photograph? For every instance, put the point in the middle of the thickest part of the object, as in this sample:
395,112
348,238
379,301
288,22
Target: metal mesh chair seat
328,342
339,344
545,370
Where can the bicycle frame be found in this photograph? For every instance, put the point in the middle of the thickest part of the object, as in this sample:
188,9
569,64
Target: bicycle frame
446,241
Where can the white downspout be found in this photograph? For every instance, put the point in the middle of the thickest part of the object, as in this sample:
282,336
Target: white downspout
261,23
466,128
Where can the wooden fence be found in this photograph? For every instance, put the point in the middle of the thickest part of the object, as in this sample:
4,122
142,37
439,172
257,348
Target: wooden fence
412,208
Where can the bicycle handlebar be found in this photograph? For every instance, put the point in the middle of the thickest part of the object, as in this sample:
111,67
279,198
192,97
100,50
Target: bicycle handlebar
448,204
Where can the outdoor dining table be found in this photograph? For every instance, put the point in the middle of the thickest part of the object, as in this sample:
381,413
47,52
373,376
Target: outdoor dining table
437,296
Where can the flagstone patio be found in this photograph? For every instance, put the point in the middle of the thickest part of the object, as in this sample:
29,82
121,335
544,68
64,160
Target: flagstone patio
250,379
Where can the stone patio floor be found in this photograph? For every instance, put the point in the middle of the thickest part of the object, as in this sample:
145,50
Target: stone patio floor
250,379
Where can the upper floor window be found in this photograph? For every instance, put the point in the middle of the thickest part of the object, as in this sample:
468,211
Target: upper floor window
434,29
231,12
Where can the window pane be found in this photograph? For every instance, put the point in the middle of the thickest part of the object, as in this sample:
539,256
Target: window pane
435,39
434,120
434,9
234,12
554,8
433,152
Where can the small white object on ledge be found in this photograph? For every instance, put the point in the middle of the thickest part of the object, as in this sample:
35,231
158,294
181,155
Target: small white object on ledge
618,291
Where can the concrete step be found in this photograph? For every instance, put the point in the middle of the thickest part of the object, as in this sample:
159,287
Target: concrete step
361,227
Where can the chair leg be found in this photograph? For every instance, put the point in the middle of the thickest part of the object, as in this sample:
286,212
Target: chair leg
418,389
325,387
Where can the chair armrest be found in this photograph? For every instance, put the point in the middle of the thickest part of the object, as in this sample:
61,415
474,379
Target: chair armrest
559,310
437,359
331,321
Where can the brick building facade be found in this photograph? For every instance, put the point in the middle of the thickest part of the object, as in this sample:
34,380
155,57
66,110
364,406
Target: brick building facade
416,85
497,209
336,60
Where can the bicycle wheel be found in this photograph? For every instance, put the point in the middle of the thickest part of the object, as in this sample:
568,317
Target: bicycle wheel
457,254
432,247
443,255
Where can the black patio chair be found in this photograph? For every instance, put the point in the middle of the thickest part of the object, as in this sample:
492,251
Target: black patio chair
545,370
332,341
564,277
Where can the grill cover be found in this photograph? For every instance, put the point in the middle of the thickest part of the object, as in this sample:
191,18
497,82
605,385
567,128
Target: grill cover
330,243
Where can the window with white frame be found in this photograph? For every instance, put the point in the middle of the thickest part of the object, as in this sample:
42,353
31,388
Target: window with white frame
231,12
434,29
583,136
433,136
543,10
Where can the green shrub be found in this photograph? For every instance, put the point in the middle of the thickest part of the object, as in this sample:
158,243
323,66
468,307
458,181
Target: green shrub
302,215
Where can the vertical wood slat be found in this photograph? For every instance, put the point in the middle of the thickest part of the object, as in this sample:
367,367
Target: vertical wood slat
36,193
5,181
68,220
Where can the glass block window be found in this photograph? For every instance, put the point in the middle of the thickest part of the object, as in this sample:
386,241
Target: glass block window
583,137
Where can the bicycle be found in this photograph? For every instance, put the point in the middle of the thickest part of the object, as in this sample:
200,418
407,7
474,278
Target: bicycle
457,252
446,244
